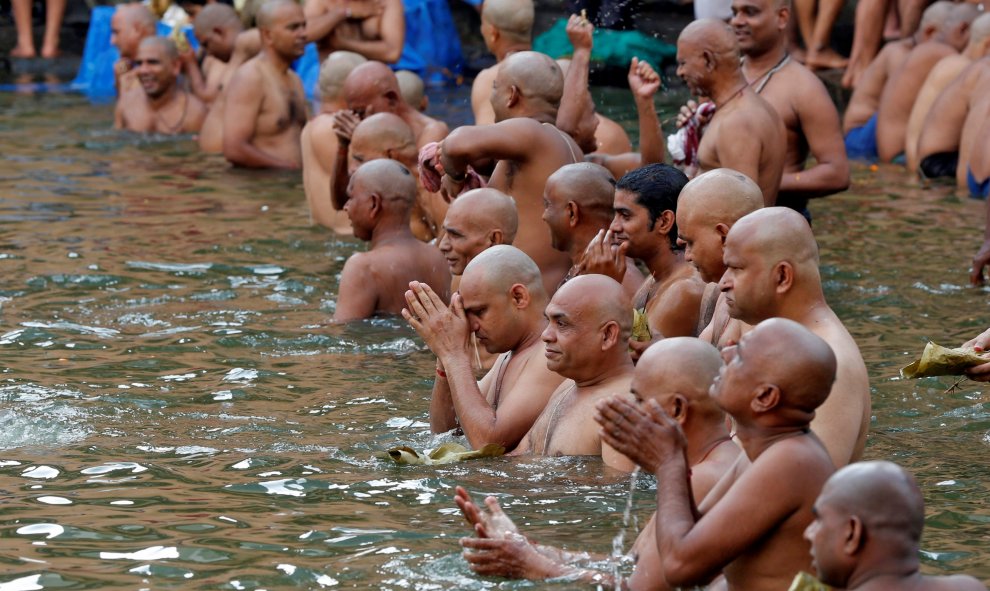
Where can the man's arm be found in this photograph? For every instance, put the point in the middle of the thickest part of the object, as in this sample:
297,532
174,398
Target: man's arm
644,83
344,123
118,114
819,121
388,48
739,156
240,119
576,97
322,19
676,312
357,295
481,93
516,139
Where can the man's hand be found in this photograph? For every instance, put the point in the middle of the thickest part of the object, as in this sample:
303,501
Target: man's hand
980,261
579,32
445,329
512,556
645,434
344,123
493,524
450,188
636,348
690,110
601,257
980,373
644,82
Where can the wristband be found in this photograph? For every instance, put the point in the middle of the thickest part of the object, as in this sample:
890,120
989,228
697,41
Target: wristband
441,373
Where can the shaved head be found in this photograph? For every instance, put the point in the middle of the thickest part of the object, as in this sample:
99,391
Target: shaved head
536,75
609,304
372,88
778,233
266,15
711,35
138,15
512,18
488,208
683,366
382,135
880,494
591,186
804,382
980,30
936,15
412,88
216,16
388,179
500,267
163,44
334,70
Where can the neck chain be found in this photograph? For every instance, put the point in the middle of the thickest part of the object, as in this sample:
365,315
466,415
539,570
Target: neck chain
172,129
733,97
766,76
554,418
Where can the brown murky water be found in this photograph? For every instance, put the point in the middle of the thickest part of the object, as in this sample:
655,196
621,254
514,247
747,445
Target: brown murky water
176,414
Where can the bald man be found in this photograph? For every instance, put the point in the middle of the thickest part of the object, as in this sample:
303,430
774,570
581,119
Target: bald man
709,63
577,207
501,300
866,534
383,135
750,526
585,341
374,28
159,105
130,24
707,208
476,221
413,90
320,145
771,261
380,197
507,28
265,106
677,374
901,89
527,148
859,121
221,34
373,88
799,97
944,72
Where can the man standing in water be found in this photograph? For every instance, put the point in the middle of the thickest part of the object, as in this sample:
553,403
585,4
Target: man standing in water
265,106
771,261
750,525
159,105
130,24
381,195
709,63
374,28
527,147
501,300
810,119
867,532
677,373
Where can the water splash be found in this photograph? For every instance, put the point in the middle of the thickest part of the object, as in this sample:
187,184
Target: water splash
619,555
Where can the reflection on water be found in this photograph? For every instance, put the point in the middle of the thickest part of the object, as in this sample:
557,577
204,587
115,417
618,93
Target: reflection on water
176,413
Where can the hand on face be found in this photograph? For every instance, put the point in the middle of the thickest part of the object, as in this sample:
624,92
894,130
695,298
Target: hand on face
445,329
601,257
344,123
647,436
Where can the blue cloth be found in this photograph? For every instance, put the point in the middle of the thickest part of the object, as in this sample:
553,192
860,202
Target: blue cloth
861,142
95,77
977,189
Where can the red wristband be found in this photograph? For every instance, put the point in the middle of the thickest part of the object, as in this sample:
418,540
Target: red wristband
441,373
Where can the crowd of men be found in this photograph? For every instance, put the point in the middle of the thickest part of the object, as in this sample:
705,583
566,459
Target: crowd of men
612,305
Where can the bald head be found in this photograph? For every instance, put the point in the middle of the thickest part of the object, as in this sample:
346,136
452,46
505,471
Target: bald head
935,17
488,209
382,135
334,70
536,75
216,16
711,35
804,382
879,494
267,14
778,233
980,30
589,185
164,45
679,366
512,18
388,179
130,24
721,195
372,88
138,15
500,267
412,88
609,304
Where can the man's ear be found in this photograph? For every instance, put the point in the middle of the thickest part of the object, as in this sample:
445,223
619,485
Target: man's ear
515,95
664,222
854,536
495,237
679,409
723,231
375,205
766,398
783,276
610,334
710,61
783,16
573,214
519,295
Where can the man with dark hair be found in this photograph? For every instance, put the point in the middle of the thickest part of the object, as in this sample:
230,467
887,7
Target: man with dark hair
645,228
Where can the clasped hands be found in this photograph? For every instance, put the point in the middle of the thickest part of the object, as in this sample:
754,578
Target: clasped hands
445,329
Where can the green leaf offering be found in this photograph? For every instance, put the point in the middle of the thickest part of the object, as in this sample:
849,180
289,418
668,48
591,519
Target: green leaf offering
942,361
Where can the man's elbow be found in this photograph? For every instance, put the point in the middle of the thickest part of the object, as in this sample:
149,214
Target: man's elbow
391,54
235,153
679,572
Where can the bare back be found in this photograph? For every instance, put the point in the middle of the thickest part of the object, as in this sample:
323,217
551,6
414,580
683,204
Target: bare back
865,98
761,156
672,306
319,146
900,93
944,72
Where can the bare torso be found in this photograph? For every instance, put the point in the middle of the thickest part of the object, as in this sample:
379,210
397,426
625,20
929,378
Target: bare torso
182,113
944,72
390,268
866,97
319,139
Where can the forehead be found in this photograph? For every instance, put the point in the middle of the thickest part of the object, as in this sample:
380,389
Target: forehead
473,290
151,51
286,13
628,200
752,5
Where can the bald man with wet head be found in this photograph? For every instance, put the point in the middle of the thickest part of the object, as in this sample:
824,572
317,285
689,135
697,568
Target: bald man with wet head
750,525
527,148
577,207
677,374
265,105
708,61
771,261
477,220
501,301
159,104
585,341
373,88
381,196
384,135
130,24
707,208
320,145
866,534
